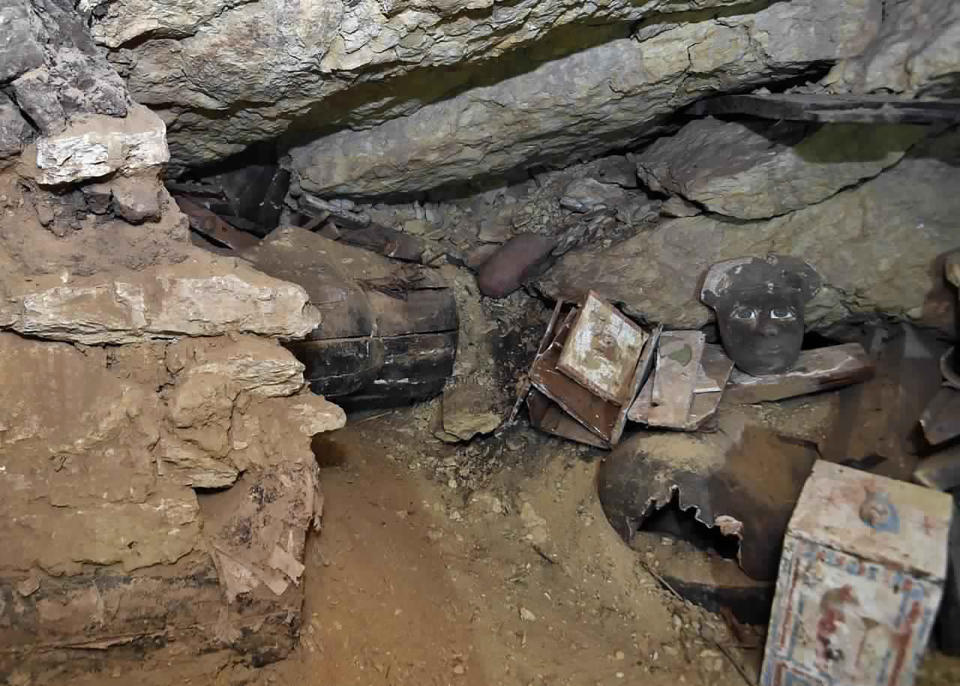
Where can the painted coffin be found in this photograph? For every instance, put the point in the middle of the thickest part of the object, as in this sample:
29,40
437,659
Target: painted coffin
860,580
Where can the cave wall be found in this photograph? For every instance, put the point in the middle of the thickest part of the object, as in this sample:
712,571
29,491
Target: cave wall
156,477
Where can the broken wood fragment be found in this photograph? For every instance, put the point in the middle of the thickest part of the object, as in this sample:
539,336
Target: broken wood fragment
209,225
940,471
816,370
675,378
387,242
547,416
825,108
941,418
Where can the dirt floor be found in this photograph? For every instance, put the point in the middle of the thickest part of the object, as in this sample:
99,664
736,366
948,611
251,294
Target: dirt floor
483,564
432,570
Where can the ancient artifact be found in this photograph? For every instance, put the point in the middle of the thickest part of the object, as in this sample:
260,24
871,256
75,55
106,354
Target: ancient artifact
861,577
759,303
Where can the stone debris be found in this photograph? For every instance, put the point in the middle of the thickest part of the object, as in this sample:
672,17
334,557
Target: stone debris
94,146
778,167
468,411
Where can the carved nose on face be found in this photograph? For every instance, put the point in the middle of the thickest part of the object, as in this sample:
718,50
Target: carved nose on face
768,328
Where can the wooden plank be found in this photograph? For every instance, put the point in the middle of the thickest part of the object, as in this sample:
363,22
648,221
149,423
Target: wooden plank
415,368
547,416
816,370
387,242
423,311
639,411
210,226
339,367
869,109
642,377
300,257
715,369
675,379
602,351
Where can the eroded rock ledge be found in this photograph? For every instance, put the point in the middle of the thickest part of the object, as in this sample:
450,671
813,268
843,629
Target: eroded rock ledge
139,371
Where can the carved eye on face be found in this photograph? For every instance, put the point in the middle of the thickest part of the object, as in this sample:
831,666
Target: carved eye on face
782,313
744,314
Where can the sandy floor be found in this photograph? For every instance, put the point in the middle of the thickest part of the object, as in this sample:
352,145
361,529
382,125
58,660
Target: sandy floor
482,565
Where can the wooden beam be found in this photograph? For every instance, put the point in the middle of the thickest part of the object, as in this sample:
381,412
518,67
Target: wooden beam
824,108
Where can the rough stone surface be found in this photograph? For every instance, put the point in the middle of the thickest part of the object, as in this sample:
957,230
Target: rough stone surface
231,72
762,170
54,68
595,100
96,497
15,132
875,245
917,53
604,97
252,364
68,413
203,296
136,199
468,410
95,145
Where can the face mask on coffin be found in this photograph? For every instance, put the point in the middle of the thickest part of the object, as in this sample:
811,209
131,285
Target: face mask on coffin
759,303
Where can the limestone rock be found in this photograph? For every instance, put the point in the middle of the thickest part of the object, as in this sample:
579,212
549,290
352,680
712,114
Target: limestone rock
20,50
231,72
57,70
190,465
269,431
875,246
762,170
251,364
203,296
94,146
160,530
675,206
137,198
594,100
15,132
469,410
917,53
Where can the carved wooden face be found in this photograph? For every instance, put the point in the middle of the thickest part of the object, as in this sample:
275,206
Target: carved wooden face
761,332
759,303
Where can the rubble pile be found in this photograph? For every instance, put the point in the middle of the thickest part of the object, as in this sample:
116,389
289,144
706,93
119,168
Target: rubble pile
156,476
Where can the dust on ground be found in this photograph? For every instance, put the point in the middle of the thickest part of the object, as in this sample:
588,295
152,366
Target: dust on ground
481,564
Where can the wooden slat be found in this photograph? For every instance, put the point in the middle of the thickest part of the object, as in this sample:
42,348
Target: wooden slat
816,370
675,379
416,311
547,416
869,109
